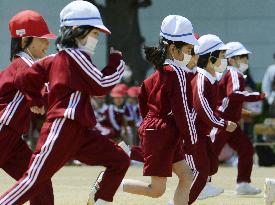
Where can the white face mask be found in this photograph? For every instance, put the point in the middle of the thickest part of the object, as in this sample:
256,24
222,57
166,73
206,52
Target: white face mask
222,66
90,45
185,61
243,67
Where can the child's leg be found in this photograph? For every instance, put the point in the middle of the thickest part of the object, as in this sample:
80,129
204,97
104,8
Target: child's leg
51,154
18,164
182,170
154,189
99,150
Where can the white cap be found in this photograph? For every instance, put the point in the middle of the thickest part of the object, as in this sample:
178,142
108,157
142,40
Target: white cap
235,49
209,43
178,28
82,13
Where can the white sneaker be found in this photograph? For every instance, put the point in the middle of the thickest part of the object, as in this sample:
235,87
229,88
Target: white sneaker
269,191
94,189
210,191
245,188
125,147
170,202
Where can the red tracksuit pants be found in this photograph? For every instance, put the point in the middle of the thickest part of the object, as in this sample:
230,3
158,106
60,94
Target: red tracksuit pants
201,164
239,142
14,160
60,141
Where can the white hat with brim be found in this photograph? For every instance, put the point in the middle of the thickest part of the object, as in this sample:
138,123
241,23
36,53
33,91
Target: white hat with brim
82,13
208,44
236,49
178,28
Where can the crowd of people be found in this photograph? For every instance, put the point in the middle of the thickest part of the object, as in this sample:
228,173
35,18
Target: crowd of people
177,121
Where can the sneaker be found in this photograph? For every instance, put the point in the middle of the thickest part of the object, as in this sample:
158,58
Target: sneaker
269,191
245,188
94,189
125,147
170,202
210,191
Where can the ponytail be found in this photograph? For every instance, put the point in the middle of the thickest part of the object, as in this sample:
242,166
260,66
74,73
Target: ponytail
158,55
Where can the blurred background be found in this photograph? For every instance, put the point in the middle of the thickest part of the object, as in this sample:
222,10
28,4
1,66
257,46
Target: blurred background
135,22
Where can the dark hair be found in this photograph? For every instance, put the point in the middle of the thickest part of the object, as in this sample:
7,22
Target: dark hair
203,59
244,56
241,56
16,46
157,55
67,35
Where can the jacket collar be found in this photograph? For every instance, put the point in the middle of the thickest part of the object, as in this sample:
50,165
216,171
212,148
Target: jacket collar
211,78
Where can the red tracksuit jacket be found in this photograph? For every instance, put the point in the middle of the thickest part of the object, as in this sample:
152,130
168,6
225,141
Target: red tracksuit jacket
205,98
14,109
73,79
115,118
169,92
232,95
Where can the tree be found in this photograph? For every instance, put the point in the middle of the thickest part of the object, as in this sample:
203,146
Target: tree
121,17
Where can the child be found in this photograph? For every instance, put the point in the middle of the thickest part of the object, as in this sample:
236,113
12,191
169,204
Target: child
231,98
67,134
117,116
165,105
211,51
29,42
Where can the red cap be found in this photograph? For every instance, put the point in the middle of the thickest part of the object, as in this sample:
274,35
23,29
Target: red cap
119,91
133,91
29,24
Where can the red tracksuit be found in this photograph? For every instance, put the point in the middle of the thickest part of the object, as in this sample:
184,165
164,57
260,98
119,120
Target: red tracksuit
164,103
15,117
136,151
66,133
205,97
115,119
231,98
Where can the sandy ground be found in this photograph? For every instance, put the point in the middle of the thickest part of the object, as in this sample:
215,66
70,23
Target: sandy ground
71,187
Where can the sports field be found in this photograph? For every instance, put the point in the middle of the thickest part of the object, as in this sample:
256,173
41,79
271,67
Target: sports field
71,187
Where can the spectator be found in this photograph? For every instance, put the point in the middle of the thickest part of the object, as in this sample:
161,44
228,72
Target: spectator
268,87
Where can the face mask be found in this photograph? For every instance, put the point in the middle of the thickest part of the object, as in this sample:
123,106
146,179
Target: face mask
185,61
222,66
243,67
90,45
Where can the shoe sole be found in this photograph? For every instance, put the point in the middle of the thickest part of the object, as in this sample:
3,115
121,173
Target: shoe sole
210,196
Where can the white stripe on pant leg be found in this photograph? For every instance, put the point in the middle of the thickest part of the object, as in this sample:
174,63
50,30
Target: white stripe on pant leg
195,178
45,150
31,171
188,161
193,163
27,183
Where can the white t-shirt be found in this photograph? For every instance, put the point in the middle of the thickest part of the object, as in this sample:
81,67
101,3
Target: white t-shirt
267,83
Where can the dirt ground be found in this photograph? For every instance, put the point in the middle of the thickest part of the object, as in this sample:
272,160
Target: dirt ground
71,187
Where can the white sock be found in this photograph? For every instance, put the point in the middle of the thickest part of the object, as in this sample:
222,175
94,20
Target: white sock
101,202
120,188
